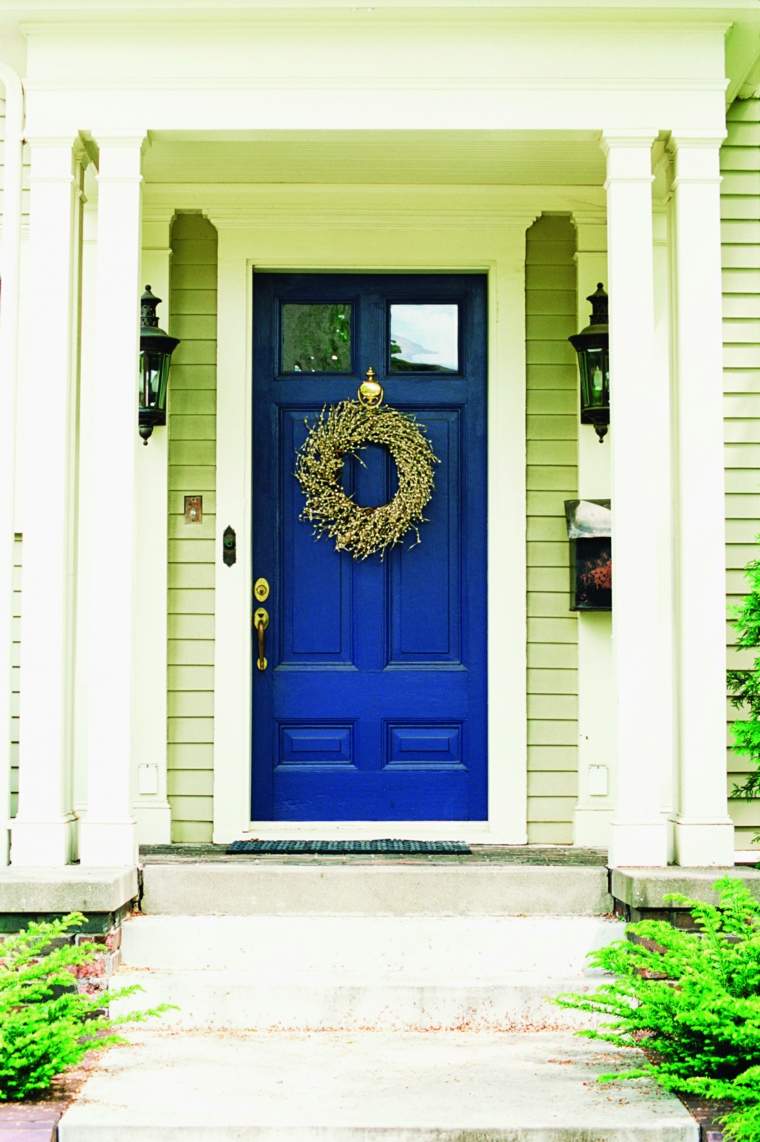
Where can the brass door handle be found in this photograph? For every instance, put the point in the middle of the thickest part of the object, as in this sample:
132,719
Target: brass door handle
261,622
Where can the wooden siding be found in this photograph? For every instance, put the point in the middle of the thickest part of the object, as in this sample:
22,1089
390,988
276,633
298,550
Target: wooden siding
552,478
740,202
192,470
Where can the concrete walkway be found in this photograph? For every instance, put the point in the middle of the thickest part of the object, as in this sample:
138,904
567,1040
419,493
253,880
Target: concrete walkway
538,1086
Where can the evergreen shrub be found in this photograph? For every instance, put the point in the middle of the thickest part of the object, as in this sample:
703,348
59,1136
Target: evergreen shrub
691,1001
744,685
46,1023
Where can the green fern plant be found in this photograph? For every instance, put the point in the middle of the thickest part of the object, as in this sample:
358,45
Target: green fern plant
744,685
46,1023
691,1000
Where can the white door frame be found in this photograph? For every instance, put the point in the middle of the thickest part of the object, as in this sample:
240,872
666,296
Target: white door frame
408,235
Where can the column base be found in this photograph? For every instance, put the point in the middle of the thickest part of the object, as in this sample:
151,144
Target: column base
591,828
639,844
705,844
107,844
42,844
154,822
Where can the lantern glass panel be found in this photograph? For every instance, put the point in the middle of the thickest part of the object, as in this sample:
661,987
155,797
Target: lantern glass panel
154,368
595,378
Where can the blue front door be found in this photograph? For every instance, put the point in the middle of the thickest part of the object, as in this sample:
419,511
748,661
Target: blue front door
373,703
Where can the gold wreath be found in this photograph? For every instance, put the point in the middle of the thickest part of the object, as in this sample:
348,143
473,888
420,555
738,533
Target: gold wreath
341,430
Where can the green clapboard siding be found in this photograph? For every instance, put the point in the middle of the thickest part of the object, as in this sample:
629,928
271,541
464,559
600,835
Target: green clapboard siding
192,471
740,210
552,478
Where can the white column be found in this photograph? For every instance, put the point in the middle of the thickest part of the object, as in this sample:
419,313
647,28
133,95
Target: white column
88,551
42,830
10,264
507,533
150,804
641,487
664,366
596,689
704,833
107,833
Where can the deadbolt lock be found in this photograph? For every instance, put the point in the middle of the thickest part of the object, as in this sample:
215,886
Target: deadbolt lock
261,590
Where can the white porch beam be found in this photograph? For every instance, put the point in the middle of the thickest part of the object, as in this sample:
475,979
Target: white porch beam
704,831
42,832
641,488
107,832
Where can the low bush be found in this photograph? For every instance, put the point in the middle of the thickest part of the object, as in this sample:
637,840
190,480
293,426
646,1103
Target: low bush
46,1023
744,685
691,1001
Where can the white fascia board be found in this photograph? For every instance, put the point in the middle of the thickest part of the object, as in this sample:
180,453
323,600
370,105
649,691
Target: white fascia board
33,10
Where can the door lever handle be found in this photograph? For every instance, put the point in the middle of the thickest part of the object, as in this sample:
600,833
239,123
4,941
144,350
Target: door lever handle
261,622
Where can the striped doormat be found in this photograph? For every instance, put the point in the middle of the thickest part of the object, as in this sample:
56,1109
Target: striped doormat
331,847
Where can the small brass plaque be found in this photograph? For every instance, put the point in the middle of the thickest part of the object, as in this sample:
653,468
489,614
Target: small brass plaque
193,509
261,590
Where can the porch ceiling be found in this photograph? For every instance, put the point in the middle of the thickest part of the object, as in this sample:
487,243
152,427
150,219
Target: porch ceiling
388,157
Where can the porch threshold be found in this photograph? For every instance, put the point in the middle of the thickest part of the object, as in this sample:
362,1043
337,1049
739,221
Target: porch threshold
479,854
71,888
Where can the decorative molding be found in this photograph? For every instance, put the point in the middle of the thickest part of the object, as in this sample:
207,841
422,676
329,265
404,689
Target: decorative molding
683,139
634,138
304,83
240,207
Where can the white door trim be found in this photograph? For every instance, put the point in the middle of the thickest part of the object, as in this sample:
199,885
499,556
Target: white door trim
494,245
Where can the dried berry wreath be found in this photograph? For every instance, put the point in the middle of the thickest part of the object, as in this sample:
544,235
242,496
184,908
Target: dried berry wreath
342,430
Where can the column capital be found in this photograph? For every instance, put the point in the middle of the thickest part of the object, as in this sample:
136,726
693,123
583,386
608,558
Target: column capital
628,139
682,139
48,141
120,156
591,231
53,158
157,230
696,158
629,156
127,138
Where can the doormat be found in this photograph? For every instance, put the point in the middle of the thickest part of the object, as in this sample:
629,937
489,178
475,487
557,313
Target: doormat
326,847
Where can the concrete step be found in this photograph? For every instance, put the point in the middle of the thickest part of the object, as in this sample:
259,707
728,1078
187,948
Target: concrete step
234,1000
389,972
459,1087
355,949
260,886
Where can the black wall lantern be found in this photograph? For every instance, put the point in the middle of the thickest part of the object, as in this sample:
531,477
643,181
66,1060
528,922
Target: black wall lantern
592,345
156,348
